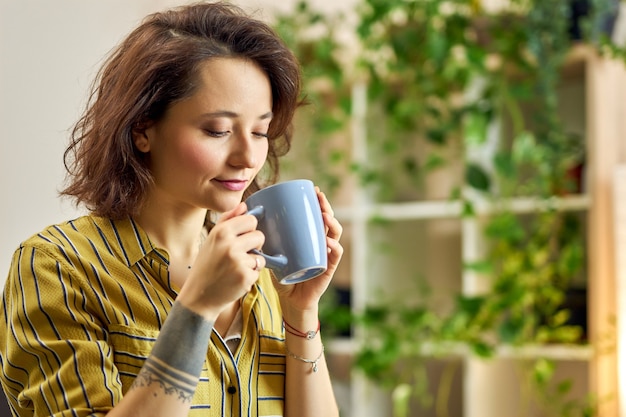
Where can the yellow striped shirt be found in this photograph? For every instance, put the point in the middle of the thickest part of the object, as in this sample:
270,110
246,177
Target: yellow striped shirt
82,308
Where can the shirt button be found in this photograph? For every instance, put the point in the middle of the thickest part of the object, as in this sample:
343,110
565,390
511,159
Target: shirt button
232,390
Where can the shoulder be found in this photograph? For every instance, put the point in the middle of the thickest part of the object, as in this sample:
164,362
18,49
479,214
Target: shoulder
53,245
87,238
56,237
60,234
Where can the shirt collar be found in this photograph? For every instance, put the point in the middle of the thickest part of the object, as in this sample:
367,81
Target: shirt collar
132,242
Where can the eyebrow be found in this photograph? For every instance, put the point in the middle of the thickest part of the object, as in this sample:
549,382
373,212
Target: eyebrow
231,114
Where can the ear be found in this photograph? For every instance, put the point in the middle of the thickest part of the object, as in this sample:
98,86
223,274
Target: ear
140,137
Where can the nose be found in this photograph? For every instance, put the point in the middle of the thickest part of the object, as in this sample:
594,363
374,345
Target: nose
243,154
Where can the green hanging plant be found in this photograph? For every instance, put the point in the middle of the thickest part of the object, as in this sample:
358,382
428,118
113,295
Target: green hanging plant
439,75
322,125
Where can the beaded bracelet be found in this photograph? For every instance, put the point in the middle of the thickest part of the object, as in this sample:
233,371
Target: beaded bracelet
313,362
307,335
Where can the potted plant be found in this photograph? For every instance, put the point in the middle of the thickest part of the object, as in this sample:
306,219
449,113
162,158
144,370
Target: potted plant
439,75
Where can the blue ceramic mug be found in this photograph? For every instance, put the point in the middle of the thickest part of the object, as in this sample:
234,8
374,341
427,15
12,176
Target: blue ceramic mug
290,216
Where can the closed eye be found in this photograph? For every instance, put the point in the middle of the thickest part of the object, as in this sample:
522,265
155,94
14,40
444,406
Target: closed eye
216,133
261,135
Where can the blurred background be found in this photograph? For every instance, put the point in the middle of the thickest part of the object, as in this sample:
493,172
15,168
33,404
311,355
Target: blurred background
475,152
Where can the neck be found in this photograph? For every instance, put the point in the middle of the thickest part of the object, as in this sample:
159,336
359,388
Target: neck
180,233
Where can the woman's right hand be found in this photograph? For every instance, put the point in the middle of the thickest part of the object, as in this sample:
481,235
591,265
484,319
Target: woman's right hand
224,270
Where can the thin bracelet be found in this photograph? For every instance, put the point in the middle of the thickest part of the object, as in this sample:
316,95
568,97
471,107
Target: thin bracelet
313,362
307,335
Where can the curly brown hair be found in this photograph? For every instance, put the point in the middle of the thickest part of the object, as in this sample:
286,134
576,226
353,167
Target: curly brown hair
154,67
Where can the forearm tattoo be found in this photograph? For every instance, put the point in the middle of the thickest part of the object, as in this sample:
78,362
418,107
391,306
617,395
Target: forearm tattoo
178,354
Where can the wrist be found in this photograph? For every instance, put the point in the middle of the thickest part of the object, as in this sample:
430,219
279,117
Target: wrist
302,319
209,312
308,334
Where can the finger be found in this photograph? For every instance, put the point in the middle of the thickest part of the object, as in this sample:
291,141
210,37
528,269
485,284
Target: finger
324,203
334,246
238,210
259,263
248,241
325,207
236,223
334,229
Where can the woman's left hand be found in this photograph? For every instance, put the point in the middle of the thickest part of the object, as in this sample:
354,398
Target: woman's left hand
305,296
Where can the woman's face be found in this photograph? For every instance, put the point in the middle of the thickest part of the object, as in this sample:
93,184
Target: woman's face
208,148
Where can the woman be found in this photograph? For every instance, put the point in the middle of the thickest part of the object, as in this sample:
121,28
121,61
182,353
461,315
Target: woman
151,304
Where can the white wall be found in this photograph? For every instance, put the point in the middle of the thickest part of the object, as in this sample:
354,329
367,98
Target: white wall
49,52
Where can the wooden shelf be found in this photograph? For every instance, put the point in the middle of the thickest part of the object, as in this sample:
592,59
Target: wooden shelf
598,90
348,346
454,209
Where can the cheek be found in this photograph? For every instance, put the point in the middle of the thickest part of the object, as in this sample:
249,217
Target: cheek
199,156
262,152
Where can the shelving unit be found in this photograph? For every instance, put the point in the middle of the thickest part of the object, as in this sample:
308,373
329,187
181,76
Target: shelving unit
600,85
605,84
453,209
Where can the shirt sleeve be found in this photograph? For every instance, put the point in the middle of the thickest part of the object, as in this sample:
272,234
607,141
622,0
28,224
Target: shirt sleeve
54,350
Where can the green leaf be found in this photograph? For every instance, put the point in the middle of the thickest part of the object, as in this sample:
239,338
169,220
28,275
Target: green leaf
329,124
543,370
375,314
410,165
482,267
511,329
414,316
504,165
470,305
436,136
401,396
564,386
374,363
524,148
336,156
433,161
482,349
506,227
468,209
476,177
476,129
560,318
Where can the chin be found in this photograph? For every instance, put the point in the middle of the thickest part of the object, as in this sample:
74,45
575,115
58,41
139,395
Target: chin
224,205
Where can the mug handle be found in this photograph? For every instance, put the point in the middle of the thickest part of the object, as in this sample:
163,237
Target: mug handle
275,261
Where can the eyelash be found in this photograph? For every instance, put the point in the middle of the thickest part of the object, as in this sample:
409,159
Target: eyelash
216,134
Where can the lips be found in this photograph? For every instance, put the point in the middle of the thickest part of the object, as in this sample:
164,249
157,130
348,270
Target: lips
233,185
